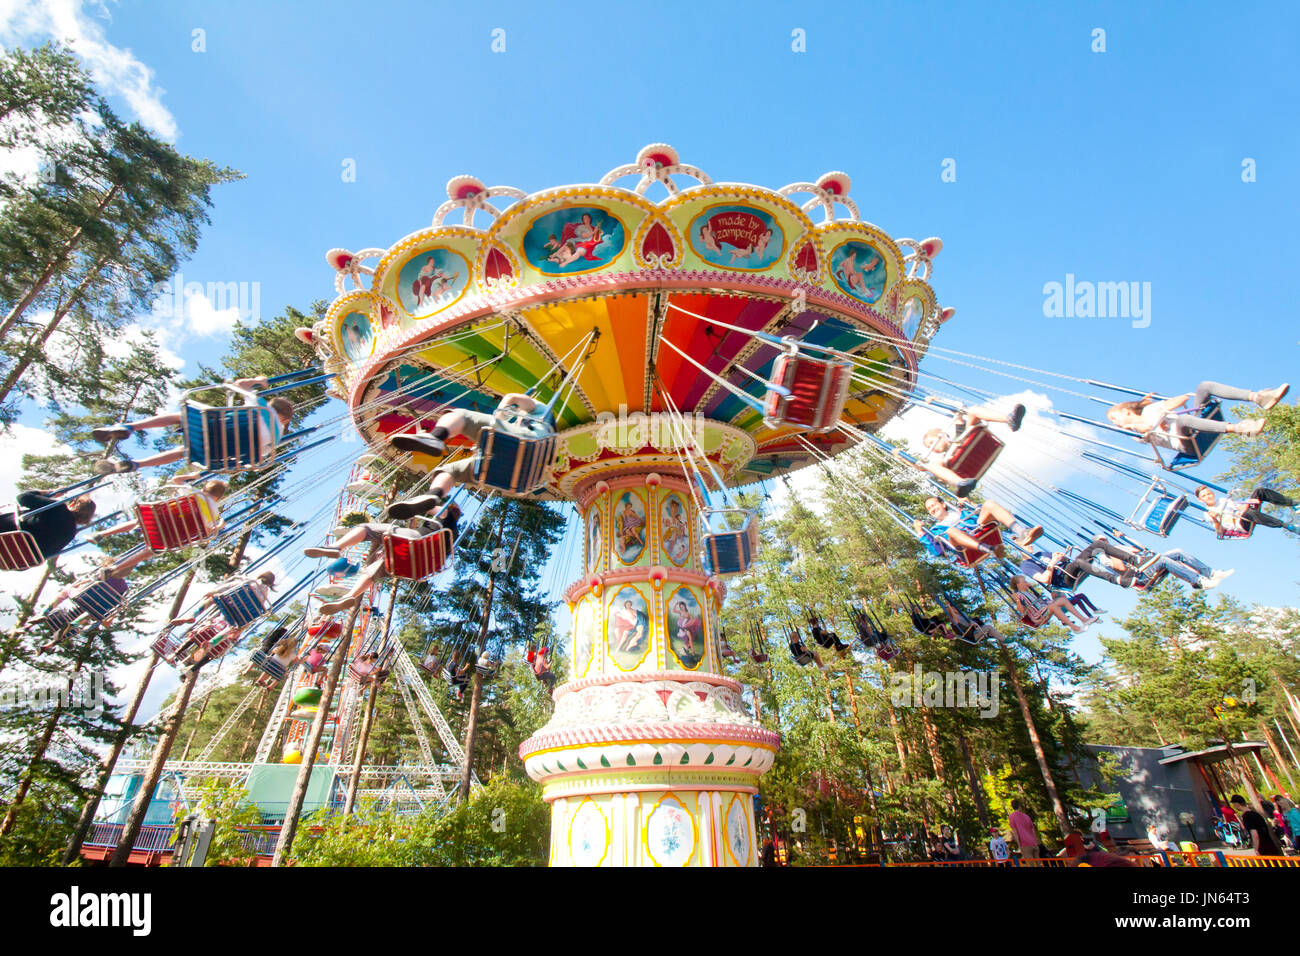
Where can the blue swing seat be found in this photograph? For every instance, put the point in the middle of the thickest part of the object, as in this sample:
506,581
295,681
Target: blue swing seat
227,439
268,665
241,605
1194,449
729,551
513,453
98,599
1157,510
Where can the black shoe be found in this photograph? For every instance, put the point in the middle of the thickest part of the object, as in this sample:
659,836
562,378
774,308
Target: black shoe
966,487
402,510
1016,417
419,444
1127,578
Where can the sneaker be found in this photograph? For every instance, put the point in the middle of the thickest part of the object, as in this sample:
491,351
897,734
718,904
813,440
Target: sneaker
1016,417
1249,427
322,552
419,444
1030,536
107,433
1000,553
1217,577
403,510
111,466
1270,397
966,487
1127,578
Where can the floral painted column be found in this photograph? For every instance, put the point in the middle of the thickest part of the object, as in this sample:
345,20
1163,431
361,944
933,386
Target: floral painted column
651,758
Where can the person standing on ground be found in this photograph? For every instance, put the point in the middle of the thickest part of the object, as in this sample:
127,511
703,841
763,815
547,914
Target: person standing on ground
1025,833
1258,831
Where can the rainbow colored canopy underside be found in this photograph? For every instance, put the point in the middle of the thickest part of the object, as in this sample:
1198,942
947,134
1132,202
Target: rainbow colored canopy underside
472,366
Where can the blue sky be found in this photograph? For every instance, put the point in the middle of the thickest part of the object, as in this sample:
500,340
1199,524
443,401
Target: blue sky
1117,166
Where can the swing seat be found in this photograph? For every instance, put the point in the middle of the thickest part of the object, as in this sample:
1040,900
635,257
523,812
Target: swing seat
806,392
802,657
1195,448
240,606
98,599
227,439
430,665
513,457
758,658
1146,584
1158,511
172,523
268,665
487,671
887,650
361,672
414,559
18,549
730,551
989,535
971,636
974,453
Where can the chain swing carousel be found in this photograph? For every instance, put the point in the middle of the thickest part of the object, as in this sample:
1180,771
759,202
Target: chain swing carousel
721,335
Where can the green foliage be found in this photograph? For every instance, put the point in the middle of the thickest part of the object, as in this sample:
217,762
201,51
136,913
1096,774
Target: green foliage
505,824
228,805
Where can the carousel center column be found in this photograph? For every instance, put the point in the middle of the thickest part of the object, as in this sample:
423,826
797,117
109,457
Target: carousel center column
651,757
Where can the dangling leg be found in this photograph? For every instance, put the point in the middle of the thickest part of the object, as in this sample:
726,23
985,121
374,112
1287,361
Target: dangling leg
1025,535
368,576
362,533
108,433
440,488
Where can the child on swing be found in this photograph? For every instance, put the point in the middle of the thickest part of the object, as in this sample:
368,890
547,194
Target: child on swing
270,431
1161,421
468,424
939,442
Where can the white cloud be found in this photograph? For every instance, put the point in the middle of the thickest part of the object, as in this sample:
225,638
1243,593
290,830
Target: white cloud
206,320
116,71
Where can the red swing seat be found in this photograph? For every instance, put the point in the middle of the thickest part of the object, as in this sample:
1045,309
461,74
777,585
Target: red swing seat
974,453
173,522
18,549
414,559
989,535
806,392
887,650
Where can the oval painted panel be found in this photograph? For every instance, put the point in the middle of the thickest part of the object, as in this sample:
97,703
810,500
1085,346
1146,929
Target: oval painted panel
431,280
859,270
574,239
737,237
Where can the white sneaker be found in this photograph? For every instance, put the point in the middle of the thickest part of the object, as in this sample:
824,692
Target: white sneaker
1216,578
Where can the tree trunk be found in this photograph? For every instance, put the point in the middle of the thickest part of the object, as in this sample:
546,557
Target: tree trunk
52,268
128,720
43,743
14,638
1058,808
976,785
290,826
88,811
140,809
254,724
476,695
37,345
367,722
